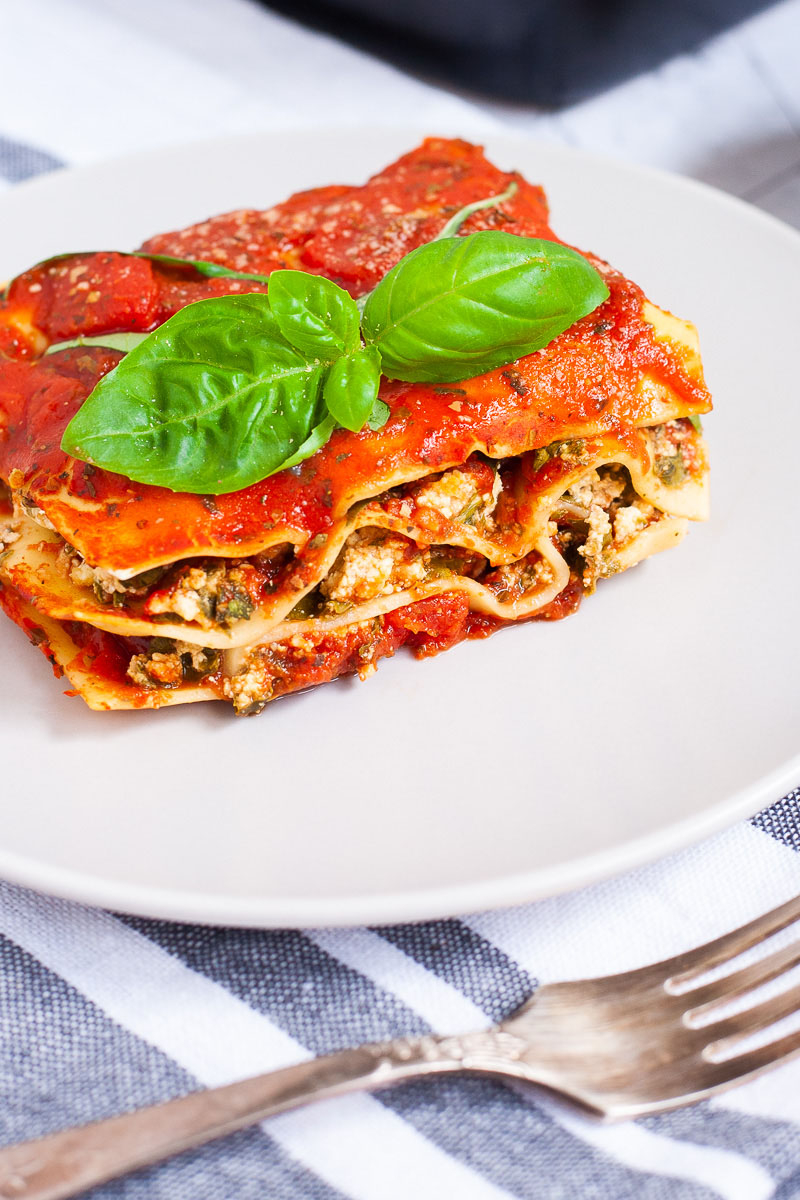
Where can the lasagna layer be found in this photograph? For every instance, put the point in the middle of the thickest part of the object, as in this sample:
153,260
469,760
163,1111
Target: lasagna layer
458,554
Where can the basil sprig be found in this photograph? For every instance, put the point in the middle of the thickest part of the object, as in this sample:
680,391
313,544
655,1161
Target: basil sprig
232,389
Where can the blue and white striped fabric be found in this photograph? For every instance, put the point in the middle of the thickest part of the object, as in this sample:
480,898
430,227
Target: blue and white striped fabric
102,1013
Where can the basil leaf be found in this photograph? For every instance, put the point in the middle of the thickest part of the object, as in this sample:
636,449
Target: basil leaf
462,306
109,341
315,315
213,400
379,416
351,387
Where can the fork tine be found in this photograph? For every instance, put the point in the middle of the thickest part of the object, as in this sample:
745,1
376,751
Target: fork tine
742,1066
730,1030
686,967
711,995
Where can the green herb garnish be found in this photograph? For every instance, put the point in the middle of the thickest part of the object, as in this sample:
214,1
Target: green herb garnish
233,389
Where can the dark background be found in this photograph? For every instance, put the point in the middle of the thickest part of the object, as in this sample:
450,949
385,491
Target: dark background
532,51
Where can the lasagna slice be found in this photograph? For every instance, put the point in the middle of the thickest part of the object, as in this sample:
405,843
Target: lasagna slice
502,498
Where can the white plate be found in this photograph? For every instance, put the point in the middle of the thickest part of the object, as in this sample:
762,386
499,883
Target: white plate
539,760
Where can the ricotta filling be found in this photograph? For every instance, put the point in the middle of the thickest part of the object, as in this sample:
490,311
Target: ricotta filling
457,495
601,513
217,595
466,496
374,563
270,670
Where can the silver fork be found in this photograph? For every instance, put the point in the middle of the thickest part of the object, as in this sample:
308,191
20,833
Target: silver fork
619,1046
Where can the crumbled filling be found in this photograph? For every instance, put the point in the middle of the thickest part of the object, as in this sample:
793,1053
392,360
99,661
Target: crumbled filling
251,688
216,593
7,535
598,537
598,488
631,520
274,668
599,512
460,495
512,581
466,495
374,563
675,449
169,663
108,589
450,494
219,594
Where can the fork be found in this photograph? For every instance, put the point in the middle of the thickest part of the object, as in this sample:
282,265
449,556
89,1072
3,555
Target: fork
619,1046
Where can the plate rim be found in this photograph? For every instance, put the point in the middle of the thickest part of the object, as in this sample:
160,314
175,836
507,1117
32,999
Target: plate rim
456,900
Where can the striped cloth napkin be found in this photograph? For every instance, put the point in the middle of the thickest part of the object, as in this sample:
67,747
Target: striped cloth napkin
100,1013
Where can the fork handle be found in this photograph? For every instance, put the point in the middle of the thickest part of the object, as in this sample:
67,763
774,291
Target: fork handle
64,1164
